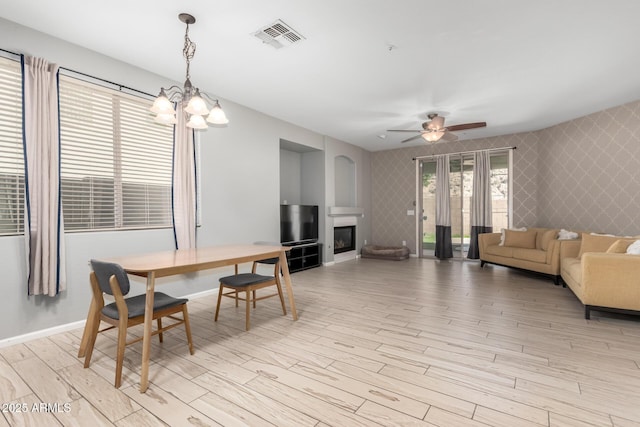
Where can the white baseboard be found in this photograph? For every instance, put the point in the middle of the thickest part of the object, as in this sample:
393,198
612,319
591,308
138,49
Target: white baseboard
41,333
19,339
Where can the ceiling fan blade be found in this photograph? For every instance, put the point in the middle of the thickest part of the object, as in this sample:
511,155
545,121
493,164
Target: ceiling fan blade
466,126
410,139
403,130
449,137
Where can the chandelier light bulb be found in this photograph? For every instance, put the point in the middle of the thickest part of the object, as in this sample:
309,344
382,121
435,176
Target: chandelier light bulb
166,118
217,115
197,105
197,122
162,105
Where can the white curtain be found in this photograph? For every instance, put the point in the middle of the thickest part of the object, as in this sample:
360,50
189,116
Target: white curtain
184,184
44,226
444,247
481,211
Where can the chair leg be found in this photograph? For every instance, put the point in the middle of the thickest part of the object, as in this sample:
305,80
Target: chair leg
254,299
91,329
187,327
280,294
88,328
160,337
122,342
236,298
248,321
215,319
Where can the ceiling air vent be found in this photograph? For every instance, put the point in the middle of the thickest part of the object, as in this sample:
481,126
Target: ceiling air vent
278,35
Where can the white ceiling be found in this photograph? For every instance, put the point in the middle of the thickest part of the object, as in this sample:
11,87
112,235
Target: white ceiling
518,65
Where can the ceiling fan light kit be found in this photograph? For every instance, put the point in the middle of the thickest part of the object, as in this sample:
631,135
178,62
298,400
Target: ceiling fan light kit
192,99
432,136
434,130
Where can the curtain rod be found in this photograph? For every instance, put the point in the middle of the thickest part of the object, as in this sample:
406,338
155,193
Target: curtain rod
463,152
68,70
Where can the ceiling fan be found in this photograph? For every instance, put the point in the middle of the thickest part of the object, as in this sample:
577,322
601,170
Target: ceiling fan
434,130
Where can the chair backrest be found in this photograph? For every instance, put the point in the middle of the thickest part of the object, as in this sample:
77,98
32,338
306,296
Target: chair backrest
104,271
271,261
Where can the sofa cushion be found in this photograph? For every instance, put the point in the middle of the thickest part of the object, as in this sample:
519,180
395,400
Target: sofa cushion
620,246
499,251
533,255
596,243
545,238
520,239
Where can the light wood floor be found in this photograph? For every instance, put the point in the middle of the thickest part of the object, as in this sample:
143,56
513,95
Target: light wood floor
414,342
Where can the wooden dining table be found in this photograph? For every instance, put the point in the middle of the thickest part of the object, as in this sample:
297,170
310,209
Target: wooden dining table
170,263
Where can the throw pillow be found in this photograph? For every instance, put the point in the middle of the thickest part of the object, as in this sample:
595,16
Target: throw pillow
567,235
634,248
619,246
502,232
596,243
546,238
520,239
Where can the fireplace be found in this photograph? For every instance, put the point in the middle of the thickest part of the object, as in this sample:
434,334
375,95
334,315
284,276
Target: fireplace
344,239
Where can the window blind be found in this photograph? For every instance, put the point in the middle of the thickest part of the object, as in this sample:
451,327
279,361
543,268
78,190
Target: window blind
116,162
11,148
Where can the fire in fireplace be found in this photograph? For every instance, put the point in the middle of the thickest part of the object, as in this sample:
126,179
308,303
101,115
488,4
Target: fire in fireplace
344,239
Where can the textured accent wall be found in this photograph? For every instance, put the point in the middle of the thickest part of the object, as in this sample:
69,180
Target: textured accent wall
589,172
393,175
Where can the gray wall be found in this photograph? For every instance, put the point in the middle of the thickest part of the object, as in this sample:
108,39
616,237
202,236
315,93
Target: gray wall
345,181
589,172
240,195
290,177
312,186
313,171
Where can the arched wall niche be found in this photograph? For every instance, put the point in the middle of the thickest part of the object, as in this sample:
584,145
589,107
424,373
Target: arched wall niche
345,181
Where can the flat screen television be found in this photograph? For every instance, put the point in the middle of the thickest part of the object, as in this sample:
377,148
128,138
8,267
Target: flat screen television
298,223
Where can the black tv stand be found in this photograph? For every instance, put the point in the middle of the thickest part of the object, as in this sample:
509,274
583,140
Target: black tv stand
303,255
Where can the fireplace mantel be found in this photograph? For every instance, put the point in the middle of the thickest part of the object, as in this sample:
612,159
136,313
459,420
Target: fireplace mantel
345,211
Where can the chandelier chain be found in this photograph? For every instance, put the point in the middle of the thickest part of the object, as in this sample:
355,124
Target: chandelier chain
188,51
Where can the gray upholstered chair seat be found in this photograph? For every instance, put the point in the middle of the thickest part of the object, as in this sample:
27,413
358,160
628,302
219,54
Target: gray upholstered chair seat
245,279
135,305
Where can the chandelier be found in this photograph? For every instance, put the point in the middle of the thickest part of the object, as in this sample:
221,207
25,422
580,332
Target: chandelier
192,99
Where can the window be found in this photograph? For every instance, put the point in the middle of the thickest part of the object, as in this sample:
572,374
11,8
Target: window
116,162
461,167
11,150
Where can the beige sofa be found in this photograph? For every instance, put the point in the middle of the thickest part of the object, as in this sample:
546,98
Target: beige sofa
601,274
536,249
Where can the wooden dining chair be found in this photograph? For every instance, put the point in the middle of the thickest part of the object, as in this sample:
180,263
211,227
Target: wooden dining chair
249,283
111,279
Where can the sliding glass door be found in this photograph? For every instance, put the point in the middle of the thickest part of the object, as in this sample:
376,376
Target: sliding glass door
461,189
